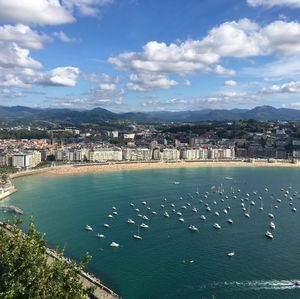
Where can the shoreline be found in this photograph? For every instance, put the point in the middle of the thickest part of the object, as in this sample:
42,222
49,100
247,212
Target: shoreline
127,166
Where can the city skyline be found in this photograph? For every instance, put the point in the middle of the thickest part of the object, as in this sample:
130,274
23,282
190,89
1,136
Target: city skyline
144,56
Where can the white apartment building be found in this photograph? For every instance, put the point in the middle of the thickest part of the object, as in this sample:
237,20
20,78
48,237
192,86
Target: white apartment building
105,154
170,154
136,154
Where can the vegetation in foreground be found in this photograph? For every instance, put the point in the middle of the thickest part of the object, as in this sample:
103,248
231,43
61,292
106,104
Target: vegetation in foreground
27,272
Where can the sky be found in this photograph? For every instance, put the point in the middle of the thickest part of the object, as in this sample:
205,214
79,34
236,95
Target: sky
150,55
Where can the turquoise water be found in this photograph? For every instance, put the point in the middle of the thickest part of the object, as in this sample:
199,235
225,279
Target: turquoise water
172,261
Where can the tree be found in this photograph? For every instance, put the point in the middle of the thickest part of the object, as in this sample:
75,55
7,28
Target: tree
26,271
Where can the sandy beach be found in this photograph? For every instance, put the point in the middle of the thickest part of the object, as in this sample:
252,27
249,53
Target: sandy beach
71,170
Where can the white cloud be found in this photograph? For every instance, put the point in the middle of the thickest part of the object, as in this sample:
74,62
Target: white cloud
61,76
237,39
11,55
144,82
87,7
187,83
63,37
271,3
10,80
290,87
23,35
230,83
42,12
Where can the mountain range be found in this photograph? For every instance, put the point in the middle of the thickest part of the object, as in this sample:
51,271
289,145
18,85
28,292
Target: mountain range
100,115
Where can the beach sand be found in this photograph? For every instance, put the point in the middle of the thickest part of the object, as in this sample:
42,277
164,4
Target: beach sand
71,170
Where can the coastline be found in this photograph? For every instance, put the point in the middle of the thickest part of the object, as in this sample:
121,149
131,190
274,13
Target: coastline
108,167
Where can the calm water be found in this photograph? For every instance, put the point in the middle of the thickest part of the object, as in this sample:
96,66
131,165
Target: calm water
171,261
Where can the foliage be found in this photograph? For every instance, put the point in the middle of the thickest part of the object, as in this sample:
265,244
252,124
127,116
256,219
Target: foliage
7,169
27,272
23,134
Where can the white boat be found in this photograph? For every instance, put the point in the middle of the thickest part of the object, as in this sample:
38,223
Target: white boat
137,210
145,217
106,225
176,183
154,213
222,200
115,212
88,228
272,225
179,213
269,235
143,225
188,204
244,209
131,204
278,200
181,219
294,209
296,283
247,215
148,208
217,214
172,205
114,208
228,178
217,226
162,206
229,221
144,203
271,215
194,210
193,228
215,202
110,216
99,235
166,214
137,237
114,244
130,221
232,253
202,217
208,209
252,203
225,211
276,207
183,207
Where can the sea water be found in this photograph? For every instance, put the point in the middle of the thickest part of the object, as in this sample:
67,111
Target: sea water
171,261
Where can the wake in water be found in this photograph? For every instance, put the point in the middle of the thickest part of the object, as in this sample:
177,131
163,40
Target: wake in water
260,284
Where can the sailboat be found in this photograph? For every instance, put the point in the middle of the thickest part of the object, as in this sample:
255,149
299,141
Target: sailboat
261,204
248,213
271,215
137,237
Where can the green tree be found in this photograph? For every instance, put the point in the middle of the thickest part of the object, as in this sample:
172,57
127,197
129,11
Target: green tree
26,271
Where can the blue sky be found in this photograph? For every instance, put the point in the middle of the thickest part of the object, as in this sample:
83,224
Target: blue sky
146,55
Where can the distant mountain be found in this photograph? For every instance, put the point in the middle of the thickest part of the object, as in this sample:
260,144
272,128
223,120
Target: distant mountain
100,115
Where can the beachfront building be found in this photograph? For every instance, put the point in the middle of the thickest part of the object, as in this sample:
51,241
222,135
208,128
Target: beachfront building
105,154
26,160
170,154
136,154
221,153
192,154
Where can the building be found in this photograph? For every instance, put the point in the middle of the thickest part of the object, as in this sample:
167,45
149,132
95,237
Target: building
105,154
170,154
26,160
136,154
194,154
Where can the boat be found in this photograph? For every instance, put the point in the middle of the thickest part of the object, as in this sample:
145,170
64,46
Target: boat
166,214
217,226
114,208
294,209
115,212
106,225
183,207
110,216
229,221
179,213
181,219
247,215
154,213
202,217
252,203
176,183
208,209
130,221
143,225
148,208
269,235
278,200
232,253
193,228
99,235
194,210
225,211
88,228
145,217
272,225
271,215
228,178
188,204
131,204
137,210
162,206
137,237
217,213
172,205
215,202
114,244
296,283
144,203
